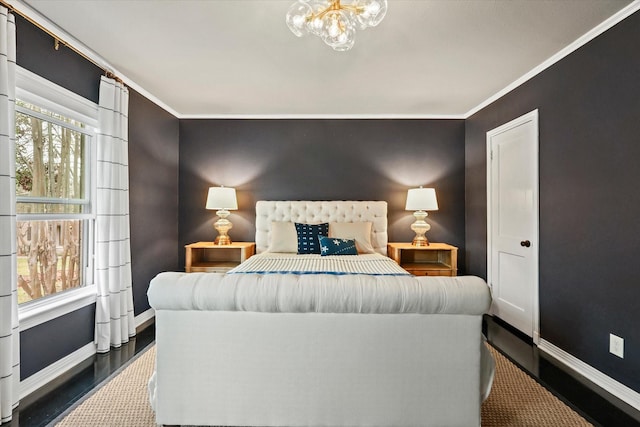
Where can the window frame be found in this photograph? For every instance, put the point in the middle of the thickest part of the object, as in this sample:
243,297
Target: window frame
38,91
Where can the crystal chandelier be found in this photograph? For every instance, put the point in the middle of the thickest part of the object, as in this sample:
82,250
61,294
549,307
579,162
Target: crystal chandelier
335,23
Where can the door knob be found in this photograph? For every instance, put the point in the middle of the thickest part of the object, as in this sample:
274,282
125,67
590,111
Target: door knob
525,243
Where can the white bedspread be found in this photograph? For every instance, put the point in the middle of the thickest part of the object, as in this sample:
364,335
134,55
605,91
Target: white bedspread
280,263
322,293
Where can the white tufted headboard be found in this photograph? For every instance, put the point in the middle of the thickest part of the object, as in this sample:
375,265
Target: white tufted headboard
319,212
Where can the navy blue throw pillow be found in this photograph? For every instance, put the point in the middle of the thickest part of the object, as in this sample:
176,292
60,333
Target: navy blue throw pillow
308,242
336,246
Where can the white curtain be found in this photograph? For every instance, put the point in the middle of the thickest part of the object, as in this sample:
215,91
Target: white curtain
9,332
114,307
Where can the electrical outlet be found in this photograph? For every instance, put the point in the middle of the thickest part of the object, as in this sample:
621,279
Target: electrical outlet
616,345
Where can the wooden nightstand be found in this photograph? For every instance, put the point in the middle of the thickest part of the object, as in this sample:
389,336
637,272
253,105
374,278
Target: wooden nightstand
209,257
437,259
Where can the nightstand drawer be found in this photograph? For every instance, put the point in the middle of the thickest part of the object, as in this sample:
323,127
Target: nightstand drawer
420,272
213,267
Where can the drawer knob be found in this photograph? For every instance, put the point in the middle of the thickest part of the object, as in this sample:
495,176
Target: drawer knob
525,243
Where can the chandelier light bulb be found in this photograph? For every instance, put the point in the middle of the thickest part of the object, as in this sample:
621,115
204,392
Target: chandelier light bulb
373,12
299,21
334,27
315,26
297,18
335,21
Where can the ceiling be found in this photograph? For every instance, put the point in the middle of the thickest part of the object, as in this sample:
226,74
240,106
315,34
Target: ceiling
230,58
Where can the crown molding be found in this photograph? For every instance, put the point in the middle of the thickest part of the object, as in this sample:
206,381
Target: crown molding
32,14
40,19
627,11
325,116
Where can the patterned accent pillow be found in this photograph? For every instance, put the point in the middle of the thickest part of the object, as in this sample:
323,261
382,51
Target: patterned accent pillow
308,242
336,246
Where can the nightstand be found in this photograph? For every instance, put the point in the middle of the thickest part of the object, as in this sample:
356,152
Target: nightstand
437,259
209,257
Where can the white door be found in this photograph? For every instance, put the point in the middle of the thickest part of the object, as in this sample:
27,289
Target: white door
512,202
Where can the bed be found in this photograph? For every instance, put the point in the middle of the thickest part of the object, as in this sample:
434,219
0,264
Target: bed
313,339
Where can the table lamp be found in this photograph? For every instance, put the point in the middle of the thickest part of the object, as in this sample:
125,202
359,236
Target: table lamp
223,199
421,200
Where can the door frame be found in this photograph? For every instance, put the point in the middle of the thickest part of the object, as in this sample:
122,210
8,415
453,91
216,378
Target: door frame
535,239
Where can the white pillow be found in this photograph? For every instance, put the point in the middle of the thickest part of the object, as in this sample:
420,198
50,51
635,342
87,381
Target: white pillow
360,231
284,237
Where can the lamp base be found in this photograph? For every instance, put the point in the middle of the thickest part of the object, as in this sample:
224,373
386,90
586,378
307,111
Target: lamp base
222,240
420,227
420,241
223,225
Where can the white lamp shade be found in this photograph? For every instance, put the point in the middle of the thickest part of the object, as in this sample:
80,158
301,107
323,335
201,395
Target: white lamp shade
421,199
222,198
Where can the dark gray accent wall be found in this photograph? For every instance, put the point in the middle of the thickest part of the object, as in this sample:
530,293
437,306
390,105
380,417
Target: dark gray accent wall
49,342
153,176
153,194
322,160
589,105
64,67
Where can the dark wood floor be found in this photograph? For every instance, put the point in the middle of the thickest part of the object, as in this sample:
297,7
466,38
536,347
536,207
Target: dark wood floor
46,404
595,404
592,402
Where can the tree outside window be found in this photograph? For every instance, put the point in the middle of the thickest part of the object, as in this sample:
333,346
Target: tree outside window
53,201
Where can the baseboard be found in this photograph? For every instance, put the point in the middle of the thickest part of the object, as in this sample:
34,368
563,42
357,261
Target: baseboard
602,380
53,371
144,319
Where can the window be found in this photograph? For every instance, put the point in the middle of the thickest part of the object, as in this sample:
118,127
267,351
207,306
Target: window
54,189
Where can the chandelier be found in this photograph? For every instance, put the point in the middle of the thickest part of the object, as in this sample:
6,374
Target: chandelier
335,23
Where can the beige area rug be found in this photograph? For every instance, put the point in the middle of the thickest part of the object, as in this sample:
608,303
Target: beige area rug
515,400
518,400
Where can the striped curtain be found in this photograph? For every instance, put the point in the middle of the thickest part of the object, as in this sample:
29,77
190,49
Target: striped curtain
114,307
9,332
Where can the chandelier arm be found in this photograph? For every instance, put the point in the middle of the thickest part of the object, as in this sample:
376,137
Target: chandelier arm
334,6
355,9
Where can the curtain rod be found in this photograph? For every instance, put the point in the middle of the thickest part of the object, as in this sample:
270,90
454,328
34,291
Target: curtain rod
57,41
